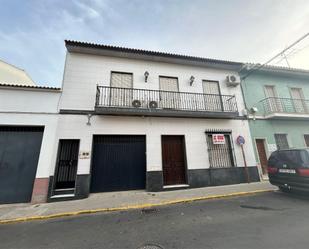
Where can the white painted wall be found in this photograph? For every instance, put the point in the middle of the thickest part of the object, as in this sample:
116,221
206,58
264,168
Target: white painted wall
84,71
74,127
33,107
28,100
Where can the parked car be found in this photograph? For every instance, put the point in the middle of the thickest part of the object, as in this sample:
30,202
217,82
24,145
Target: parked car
289,169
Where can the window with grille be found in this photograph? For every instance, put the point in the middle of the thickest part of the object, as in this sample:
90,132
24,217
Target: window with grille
220,155
281,141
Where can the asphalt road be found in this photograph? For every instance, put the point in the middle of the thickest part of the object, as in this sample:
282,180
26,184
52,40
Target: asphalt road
269,220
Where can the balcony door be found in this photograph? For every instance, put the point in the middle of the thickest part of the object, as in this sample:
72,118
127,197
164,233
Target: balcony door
212,100
298,100
121,96
273,102
170,97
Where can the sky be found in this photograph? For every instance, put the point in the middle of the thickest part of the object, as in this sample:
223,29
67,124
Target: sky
32,32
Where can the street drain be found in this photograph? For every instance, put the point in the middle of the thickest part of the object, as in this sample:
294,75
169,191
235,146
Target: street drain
149,210
258,208
150,246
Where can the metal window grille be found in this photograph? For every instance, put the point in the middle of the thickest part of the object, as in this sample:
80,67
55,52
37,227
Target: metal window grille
220,155
281,141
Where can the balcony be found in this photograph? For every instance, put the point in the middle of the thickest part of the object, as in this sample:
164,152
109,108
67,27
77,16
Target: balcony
157,103
281,108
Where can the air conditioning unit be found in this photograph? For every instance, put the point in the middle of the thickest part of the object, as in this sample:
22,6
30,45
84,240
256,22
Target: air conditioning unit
136,103
232,80
153,104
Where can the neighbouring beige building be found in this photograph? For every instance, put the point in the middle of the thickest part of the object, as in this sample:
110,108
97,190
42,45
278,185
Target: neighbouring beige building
12,75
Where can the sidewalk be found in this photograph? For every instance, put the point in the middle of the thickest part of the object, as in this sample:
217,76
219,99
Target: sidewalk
113,201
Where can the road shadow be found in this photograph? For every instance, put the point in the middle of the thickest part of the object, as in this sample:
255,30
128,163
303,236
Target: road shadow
292,194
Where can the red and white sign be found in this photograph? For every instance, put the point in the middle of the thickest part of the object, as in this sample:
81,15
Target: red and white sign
218,139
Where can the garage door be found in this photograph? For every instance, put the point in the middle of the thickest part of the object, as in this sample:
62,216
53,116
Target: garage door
19,154
118,163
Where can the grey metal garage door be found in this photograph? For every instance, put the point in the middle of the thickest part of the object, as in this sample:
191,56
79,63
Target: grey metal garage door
19,154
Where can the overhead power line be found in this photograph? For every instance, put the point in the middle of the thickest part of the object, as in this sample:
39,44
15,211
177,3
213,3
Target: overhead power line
259,66
291,53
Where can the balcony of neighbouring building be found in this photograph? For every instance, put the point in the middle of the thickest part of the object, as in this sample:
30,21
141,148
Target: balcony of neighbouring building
142,102
282,108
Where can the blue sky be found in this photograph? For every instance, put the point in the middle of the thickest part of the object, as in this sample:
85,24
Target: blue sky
32,32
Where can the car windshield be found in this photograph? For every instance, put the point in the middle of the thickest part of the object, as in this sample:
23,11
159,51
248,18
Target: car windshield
290,158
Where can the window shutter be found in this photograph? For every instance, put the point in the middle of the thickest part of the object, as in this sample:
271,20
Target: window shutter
211,87
123,80
169,84
270,91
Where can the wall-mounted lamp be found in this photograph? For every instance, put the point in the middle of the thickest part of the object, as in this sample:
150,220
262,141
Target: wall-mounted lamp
89,117
146,74
192,80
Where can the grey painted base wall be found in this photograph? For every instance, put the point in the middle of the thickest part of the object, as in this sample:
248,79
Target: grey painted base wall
232,175
154,180
198,178
82,186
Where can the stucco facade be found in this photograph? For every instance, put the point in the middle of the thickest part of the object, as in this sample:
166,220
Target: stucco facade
78,119
280,114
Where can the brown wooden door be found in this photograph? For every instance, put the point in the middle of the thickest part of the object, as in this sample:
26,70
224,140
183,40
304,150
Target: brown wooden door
262,154
173,158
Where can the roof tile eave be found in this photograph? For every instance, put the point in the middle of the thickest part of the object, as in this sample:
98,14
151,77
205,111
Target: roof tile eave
29,86
150,52
274,68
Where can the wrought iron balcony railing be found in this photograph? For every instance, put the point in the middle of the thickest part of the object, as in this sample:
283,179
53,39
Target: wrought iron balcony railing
285,105
112,100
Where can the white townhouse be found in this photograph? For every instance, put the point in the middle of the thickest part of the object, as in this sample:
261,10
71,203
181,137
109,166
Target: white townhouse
136,119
